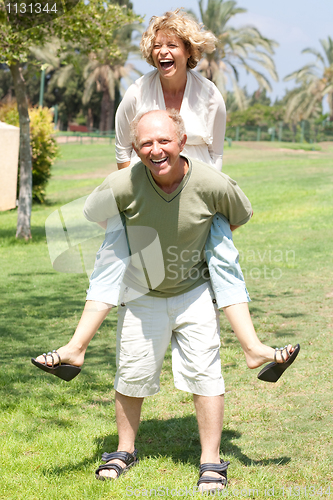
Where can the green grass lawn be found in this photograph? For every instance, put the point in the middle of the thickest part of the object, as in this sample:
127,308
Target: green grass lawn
278,437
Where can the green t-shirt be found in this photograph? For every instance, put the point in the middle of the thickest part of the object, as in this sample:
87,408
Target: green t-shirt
181,219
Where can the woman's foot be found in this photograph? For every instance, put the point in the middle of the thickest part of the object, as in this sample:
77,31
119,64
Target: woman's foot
68,354
262,353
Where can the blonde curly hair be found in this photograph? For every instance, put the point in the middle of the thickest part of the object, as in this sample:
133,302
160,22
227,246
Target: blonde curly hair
196,39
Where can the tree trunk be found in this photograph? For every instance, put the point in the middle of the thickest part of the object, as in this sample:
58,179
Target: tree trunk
294,128
105,112
330,103
110,123
90,120
25,191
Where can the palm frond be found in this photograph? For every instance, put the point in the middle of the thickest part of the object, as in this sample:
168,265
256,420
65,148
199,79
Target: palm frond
241,99
237,47
314,52
63,74
315,82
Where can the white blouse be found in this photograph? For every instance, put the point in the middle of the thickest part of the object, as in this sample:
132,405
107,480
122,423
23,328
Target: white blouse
202,109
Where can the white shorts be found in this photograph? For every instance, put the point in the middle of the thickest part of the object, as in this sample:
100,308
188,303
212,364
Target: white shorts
145,327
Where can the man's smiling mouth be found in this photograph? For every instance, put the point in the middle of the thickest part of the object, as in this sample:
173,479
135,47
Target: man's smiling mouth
157,162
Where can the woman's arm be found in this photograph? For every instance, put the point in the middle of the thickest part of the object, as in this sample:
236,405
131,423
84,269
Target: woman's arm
123,165
125,115
216,126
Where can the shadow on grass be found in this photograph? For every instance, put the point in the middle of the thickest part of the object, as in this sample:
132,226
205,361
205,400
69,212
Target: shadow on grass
39,313
291,315
175,438
22,380
8,236
178,439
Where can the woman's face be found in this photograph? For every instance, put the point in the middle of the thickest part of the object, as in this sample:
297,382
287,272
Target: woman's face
169,55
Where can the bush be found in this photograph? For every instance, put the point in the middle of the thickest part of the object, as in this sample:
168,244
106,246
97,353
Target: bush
44,150
257,115
43,145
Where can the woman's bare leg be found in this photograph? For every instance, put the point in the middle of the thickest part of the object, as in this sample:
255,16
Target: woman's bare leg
256,353
92,317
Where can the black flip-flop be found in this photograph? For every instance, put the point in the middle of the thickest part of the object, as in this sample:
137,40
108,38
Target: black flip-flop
61,370
273,371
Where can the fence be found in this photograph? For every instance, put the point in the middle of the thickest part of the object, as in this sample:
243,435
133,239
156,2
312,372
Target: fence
84,137
304,131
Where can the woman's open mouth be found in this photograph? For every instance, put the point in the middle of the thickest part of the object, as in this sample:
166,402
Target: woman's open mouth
166,63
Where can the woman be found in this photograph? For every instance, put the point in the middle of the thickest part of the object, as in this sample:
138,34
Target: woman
174,44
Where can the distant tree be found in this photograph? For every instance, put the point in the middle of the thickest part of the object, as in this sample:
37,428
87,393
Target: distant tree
105,74
87,24
244,47
257,115
260,97
98,72
231,102
64,77
315,81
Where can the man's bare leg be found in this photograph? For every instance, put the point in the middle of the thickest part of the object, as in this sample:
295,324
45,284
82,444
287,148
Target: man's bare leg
93,315
128,411
256,353
210,410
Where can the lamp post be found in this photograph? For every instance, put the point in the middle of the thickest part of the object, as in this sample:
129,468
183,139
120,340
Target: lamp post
55,116
42,85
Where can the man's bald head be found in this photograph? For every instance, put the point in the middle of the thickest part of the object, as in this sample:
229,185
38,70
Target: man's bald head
174,116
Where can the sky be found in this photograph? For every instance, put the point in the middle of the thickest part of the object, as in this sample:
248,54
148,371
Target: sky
294,24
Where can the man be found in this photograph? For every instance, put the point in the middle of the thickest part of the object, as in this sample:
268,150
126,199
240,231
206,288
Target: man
177,198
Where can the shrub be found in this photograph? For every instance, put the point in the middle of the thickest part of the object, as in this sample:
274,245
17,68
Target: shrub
43,145
44,150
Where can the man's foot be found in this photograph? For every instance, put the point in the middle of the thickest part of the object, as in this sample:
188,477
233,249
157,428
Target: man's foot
210,471
117,463
68,355
263,354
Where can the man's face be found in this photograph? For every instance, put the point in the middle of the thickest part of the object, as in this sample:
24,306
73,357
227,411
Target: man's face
158,144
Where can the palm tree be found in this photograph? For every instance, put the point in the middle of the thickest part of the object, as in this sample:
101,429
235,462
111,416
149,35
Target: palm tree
107,76
63,67
244,47
315,82
100,71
